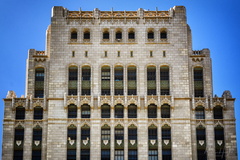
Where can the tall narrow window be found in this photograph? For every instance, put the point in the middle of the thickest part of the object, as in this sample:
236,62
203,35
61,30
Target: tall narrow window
72,80
85,111
199,112
72,111
218,112
201,143
118,80
38,113
152,133
39,83
18,143
151,80
71,142
132,80
152,143
164,80
74,35
132,154
86,80
132,133
105,86
119,143
132,111
105,111
37,143
105,142
152,111
165,111
20,112
166,139
198,82
219,143
119,111
85,142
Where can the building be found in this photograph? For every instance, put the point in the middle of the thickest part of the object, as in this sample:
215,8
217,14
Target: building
119,85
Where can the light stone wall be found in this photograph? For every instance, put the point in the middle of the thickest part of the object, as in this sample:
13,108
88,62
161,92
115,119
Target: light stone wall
180,58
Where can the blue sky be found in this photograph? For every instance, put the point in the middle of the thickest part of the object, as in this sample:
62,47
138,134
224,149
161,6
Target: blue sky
214,23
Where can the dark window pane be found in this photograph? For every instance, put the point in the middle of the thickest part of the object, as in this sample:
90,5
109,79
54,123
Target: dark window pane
132,111
201,134
72,111
163,35
106,35
18,155
199,112
150,35
119,111
72,133
85,133
152,111
105,111
37,134
220,154
132,154
119,35
74,35
86,35
166,134
201,154
132,133
19,134
131,35
20,113
85,154
105,135
218,112
38,113
119,155
219,133
165,111
105,154
153,154
36,154
152,133
86,111
166,154
119,134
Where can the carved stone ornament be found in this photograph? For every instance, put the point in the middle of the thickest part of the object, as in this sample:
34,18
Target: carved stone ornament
85,142
153,141
166,141
71,142
72,101
105,100
201,142
18,143
37,103
152,101
36,143
199,103
132,142
132,101
85,100
165,100
219,142
119,101
105,142
11,94
119,142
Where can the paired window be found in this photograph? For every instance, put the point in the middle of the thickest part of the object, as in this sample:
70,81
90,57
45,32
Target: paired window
105,154
132,80
132,111
152,111
220,146
71,142
165,111
164,80
118,80
119,111
18,143
132,154
37,143
39,83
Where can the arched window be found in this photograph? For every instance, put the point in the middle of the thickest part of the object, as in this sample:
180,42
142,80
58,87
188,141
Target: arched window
164,80
165,111
86,35
20,112
85,139
105,111
198,82
105,86
72,80
150,34
131,35
38,113
74,35
118,80
72,111
105,35
199,112
119,109
85,111
163,34
132,111
132,80
152,111
118,35
166,137
39,83
151,80
219,141
105,141
218,112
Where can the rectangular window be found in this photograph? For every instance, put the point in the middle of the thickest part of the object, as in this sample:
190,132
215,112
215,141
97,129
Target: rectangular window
132,133
166,134
164,53
118,53
86,53
118,80
153,154
71,154
119,154
167,154
132,80
151,53
198,82
85,133
37,134
201,154
151,80
105,154
152,133
131,53
85,154
164,80
201,134
132,154
73,53
105,134
105,54
119,134
18,154
36,154
72,80
105,86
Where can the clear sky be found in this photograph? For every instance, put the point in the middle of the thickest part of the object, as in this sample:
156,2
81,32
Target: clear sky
215,24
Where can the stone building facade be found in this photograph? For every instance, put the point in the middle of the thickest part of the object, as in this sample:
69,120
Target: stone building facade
119,85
